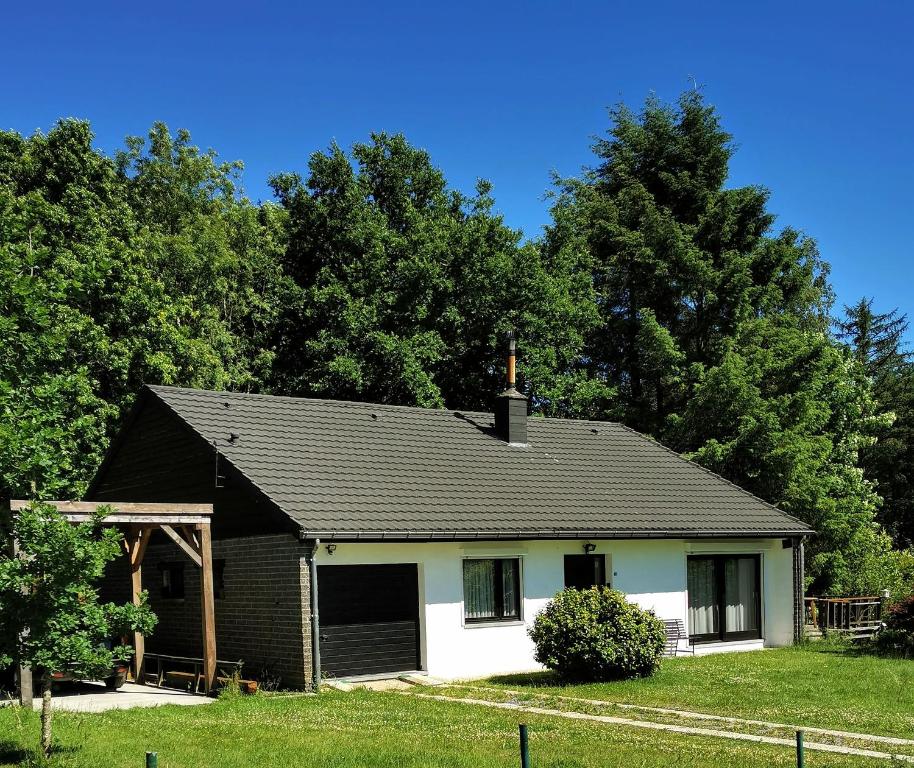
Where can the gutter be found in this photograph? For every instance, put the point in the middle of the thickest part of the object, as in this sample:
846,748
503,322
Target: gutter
364,535
315,620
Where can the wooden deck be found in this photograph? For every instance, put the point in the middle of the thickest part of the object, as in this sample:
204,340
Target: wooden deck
853,617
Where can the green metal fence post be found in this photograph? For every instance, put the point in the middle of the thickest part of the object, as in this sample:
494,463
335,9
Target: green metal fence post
524,747
152,760
801,758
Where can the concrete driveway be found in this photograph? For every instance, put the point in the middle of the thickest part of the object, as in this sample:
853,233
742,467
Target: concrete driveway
94,697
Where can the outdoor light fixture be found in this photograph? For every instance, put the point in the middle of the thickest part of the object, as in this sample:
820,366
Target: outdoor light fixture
588,548
331,548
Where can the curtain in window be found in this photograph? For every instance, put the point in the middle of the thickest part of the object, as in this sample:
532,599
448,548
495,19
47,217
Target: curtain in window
509,583
703,616
479,589
740,589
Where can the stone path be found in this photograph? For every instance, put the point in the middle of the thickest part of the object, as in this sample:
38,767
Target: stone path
691,730
688,715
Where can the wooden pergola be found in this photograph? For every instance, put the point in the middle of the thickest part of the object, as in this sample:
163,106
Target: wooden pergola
187,525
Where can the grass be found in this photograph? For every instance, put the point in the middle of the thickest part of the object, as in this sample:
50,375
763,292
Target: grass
825,685
346,730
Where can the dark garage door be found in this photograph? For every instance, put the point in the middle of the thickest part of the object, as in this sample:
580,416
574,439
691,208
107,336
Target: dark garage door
369,618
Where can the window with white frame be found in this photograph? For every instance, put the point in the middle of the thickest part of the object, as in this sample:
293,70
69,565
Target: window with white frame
491,589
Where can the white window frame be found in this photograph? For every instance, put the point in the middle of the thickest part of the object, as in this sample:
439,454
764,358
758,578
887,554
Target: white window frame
482,555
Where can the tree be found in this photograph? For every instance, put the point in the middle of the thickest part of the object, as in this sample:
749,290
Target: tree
50,614
146,268
876,341
783,415
404,288
714,330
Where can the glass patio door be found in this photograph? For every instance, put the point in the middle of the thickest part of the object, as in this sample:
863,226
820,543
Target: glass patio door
724,597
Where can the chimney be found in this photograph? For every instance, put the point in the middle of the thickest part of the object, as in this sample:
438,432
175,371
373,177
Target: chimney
511,405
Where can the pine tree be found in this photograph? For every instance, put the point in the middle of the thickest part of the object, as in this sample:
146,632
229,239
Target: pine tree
877,343
715,330
877,340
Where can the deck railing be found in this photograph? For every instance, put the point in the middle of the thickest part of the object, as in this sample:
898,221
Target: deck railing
856,617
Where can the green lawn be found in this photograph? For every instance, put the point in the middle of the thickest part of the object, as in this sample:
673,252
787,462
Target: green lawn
822,685
812,687
349,730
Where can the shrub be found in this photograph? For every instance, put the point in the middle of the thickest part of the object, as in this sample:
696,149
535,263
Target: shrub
897,637
901,616
894,642
596,634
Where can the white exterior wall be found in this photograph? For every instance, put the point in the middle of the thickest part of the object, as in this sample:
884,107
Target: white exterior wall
652,573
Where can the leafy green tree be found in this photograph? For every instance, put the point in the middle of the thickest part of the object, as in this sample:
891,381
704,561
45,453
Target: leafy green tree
51,618
113,273
404,288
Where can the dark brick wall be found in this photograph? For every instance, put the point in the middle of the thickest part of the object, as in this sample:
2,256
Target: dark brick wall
263,617
159,458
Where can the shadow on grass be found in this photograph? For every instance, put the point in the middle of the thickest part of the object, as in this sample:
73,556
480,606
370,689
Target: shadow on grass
839,646
13,753
529,680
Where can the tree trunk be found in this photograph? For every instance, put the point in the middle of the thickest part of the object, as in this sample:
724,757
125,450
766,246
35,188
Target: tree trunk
46,716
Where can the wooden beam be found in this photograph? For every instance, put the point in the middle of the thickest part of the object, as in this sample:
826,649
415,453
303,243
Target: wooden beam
207,605
186,548
137,548
139,551
123,507
139,519
191,535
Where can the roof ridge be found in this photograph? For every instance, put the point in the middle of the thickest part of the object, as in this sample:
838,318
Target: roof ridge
323,400
369,404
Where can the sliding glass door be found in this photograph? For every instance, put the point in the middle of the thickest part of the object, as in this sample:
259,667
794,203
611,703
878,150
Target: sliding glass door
724,597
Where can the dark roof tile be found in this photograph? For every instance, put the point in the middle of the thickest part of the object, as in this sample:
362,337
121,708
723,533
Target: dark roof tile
361,469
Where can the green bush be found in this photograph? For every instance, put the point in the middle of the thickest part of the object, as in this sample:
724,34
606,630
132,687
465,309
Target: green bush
894,642
596,634
897,637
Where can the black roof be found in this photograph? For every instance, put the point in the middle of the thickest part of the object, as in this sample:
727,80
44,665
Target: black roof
361,471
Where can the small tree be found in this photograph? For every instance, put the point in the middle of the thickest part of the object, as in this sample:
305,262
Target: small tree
50,615
596,634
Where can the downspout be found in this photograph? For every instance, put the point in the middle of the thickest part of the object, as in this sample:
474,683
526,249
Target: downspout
799,586
315,622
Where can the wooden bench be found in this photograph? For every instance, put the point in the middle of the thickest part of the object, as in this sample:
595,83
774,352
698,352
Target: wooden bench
675,632
192,679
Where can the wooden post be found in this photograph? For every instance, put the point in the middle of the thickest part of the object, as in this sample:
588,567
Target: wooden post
24,684
136,551
207,607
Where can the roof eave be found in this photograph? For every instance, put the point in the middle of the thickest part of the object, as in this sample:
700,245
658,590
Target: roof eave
520,535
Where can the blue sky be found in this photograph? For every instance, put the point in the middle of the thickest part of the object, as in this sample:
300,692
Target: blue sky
819,96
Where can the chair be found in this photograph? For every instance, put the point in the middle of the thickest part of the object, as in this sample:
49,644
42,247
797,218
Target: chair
675,631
